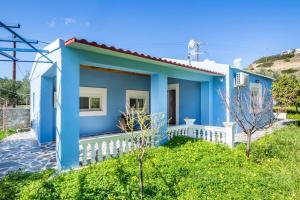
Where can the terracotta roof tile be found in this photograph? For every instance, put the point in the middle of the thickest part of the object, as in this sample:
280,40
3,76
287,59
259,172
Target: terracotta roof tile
112,48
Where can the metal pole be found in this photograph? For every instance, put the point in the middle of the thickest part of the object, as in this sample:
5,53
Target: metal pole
21,38
197,53
14,75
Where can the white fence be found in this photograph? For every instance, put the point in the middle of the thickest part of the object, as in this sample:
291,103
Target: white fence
209,133
96,149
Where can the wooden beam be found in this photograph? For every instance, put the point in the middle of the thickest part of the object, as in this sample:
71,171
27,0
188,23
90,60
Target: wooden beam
112,70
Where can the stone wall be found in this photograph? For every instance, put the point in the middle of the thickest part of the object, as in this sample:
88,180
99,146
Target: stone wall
16,117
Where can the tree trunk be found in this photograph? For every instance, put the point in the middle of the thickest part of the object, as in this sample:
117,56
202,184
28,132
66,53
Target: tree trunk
248,145
141,178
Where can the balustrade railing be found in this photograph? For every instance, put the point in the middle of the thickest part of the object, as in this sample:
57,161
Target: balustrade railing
98,148
209,133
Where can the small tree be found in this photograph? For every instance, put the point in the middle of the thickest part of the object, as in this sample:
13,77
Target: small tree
142,129
286,91
9,90
250,110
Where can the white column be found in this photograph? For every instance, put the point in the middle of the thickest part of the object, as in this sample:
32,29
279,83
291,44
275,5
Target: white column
229,133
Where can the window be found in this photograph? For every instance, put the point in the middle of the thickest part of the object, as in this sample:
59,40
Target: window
84,103
136,103
137,99
93,101
256,97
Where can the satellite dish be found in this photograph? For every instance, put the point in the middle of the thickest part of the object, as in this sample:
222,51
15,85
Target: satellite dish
192,44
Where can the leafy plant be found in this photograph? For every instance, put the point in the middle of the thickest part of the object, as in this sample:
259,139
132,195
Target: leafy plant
182,169
5,133
286,91
275,58
289,71
265,65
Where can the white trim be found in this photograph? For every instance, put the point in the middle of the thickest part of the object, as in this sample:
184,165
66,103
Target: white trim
138,94
176,88
256,74
94,92
227,96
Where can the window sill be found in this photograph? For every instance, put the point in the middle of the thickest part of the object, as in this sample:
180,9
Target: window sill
92,113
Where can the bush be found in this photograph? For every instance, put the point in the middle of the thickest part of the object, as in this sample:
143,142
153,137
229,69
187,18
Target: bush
15,182
289,71
265,65
275,58
6,133
182,169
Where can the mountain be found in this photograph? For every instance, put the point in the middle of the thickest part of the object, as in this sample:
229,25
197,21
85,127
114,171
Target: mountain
287,62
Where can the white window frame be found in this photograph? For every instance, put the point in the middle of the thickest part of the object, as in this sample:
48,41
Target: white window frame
138,94
257,86
97,93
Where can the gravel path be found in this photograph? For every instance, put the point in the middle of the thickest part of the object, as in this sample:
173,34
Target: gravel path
242,138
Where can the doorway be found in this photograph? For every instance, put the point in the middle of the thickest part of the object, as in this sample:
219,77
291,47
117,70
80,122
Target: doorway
173,104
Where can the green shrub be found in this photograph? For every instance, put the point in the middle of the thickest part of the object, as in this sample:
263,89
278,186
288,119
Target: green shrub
15,182
289,71
275,58
183,169
6,133
265,65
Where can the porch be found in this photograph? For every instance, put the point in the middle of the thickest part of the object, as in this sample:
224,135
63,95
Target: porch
91,86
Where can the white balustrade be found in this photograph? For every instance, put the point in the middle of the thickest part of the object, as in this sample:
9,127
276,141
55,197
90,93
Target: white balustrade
98,148
102,147
209,133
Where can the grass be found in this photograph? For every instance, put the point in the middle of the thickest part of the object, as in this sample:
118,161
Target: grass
6,133
292,113
182,169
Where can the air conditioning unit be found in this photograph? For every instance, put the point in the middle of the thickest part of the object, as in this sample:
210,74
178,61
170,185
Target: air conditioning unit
241,79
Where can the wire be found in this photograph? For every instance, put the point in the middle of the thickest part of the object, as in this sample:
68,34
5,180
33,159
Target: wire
20,70
43,42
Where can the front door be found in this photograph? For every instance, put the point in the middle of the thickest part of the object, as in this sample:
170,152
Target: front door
172,106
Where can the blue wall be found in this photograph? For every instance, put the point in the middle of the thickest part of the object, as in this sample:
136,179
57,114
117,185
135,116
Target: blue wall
219,111
265,82
189,99
116,85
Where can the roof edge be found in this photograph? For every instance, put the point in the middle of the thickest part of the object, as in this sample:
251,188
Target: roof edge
141,55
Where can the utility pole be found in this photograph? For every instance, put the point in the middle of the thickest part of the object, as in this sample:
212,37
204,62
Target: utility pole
198,51
14,72
194,50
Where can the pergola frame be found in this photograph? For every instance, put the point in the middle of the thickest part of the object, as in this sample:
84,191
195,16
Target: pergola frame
20,39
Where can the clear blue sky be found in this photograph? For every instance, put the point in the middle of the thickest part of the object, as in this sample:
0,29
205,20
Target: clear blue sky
232,29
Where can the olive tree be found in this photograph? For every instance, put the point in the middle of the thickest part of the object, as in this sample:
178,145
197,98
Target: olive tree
143,130
251,109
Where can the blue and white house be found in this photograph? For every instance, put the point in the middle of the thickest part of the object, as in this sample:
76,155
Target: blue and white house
77,100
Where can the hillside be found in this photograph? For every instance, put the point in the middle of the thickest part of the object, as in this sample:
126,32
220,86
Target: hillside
287,62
